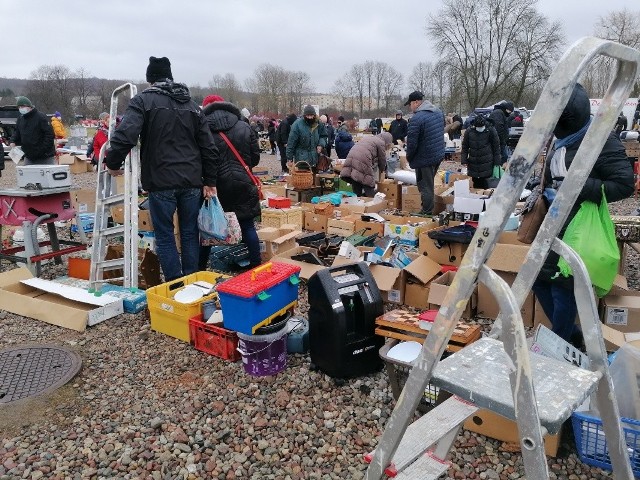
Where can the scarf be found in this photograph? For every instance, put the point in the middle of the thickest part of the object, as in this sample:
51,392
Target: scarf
557,166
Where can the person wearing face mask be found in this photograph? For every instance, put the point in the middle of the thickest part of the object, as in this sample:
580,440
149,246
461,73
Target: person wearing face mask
34,134
307,138
480,151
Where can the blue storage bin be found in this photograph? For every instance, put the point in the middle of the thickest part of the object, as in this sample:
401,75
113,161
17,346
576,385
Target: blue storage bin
254,298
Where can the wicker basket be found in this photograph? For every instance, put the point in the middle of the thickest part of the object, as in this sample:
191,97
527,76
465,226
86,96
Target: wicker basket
323,208
302,178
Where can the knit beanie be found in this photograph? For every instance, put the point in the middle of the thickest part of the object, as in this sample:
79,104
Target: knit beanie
575,115
23,102
245,113
341,118
210,99
158,69
309,110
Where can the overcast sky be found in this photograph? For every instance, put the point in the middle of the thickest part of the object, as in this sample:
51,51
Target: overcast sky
114,38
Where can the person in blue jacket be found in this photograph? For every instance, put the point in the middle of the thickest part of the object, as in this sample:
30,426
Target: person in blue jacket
425,145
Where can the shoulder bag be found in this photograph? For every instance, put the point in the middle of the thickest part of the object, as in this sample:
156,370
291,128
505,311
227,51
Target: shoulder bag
533,214
256,181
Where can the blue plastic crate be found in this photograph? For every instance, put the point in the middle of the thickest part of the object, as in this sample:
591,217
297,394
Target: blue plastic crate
254,298
592,445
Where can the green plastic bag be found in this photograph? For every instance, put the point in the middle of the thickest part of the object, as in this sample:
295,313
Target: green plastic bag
592,235
498,171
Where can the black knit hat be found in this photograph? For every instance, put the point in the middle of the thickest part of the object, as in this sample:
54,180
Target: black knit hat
158,69
309,110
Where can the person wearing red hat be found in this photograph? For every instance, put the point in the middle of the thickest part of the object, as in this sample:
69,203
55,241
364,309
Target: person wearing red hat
236,190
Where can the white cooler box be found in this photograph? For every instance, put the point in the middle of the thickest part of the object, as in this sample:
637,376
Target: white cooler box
44,176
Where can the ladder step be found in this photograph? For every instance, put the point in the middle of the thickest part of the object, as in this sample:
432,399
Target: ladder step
113,199
110,264
428,429
427,467
480,373
112,231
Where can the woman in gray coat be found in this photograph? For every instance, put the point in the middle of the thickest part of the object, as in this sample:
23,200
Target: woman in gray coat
365,161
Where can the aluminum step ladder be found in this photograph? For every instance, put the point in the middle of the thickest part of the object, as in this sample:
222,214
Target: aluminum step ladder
498,373
106,198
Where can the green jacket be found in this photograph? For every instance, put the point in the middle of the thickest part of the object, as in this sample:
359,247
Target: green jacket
303,140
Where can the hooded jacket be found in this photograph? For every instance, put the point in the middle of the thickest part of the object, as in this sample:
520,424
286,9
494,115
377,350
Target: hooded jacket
343,143
303,140
364,157
481,152
425,136
58,129
35,135
177,149
236,191
282,134
611,170
499,119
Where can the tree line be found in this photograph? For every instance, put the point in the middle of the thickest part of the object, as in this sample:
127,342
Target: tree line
488,50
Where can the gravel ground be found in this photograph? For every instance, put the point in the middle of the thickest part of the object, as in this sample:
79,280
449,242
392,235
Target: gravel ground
148,406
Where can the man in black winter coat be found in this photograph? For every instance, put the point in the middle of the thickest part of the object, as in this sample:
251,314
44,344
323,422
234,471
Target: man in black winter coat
282,135
612,171
178,162
498,117
398,128
34,134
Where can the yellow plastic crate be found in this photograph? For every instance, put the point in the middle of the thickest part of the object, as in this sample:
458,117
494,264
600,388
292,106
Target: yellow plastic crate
171,317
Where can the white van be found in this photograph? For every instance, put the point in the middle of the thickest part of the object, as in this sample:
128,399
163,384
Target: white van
629,109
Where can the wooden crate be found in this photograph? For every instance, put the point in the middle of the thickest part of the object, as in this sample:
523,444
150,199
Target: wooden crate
403,325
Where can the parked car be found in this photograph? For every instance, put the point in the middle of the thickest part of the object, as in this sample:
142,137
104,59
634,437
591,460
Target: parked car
8,116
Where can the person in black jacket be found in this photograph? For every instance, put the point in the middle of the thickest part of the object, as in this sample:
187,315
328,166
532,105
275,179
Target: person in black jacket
282,135
398,128
236,190
331,132
178,163
621,123
611,170
34,134
271,130
498,117
481,152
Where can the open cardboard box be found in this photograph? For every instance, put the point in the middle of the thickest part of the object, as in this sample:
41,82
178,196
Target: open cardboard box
315,222
613,339
363,204
392,192
439,289
274,240
57,304
78,163
448,254
418,276
407,229
306,269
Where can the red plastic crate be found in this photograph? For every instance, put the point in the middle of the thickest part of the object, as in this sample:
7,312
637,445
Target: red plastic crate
279,202
216,341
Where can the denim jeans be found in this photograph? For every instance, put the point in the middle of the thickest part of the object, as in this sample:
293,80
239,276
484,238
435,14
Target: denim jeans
162,205
559,305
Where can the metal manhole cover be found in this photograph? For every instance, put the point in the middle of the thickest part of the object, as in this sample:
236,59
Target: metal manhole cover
29,371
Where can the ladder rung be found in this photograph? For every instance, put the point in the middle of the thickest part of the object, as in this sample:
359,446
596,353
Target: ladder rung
427,467
112,231
110,264
430,428
113,199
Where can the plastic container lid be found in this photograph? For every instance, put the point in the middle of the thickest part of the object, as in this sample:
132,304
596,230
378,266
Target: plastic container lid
253,282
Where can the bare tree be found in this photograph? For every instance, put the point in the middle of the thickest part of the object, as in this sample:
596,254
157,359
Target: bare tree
227,86
621,26
368,68
356,78
485,43
298,85
82,88
421,77
391,86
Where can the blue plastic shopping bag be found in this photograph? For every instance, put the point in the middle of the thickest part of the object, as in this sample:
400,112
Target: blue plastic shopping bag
212,221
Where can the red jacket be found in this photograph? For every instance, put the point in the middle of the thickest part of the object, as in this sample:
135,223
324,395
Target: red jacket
99,139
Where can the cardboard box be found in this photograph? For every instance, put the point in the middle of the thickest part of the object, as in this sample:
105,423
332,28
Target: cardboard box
440,288
613,339
61,305
274,190
506,260
297,196
342,227
274,240
133,300
84,200
77,162
418,276
359,205
548,344
144,218
621,312
306,269
407,229
327,181
392,191
315,222
442,199
370,228
447,254
492,425
390,281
